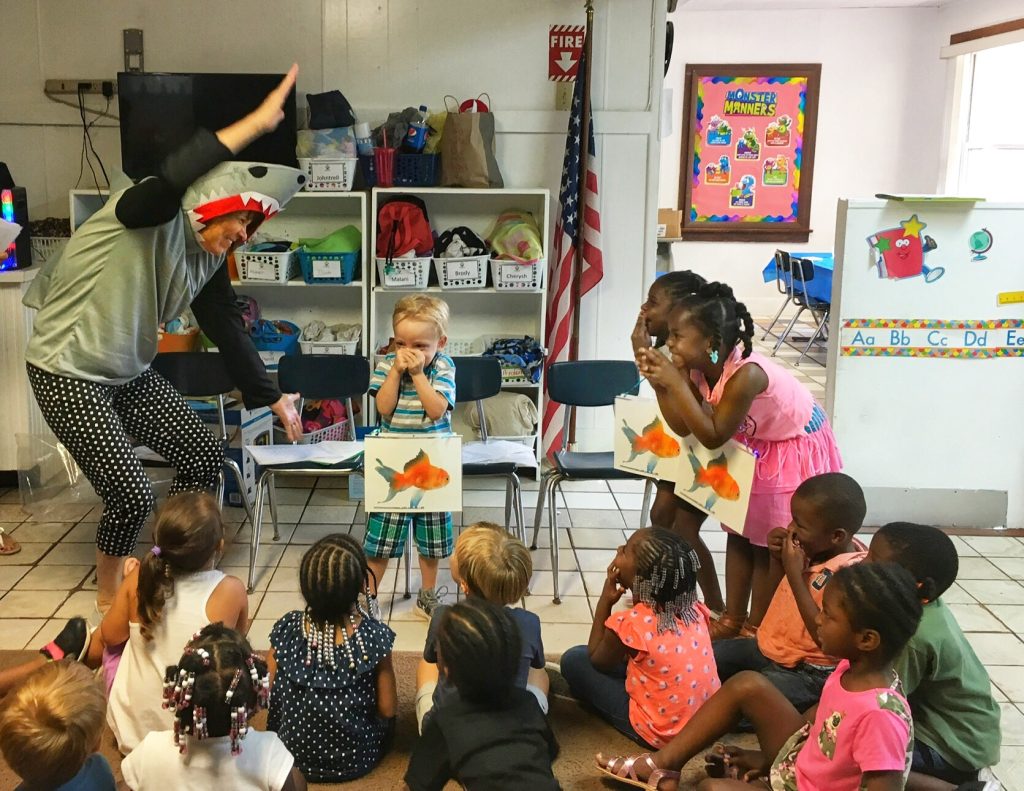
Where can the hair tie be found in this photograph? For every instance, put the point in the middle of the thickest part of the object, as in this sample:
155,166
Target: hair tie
155,550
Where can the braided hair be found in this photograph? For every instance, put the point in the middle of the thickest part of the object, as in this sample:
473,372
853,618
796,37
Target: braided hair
882,597
332,575
666,577
679,285
479,645
926,552
216,687
717,314
187,533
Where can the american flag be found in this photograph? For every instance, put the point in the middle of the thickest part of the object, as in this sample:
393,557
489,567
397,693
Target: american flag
567,236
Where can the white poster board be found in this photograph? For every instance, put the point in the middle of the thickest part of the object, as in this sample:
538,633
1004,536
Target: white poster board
644,443
926,372
413,473
717,481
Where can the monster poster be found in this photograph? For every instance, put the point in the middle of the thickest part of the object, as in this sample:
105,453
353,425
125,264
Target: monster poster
748,152
413,473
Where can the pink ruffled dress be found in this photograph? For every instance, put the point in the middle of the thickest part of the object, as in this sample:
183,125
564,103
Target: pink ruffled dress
789,433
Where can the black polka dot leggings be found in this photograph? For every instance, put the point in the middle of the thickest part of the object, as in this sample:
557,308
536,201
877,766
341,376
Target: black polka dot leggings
97,424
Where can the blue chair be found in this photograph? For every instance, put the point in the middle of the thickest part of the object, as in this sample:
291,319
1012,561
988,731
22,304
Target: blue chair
202,375
784,283
584,383
315,376
801,272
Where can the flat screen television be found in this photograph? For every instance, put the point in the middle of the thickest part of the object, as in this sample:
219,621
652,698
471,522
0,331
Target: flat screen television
159,112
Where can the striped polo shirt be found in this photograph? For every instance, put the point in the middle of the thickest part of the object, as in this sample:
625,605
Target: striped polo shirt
409,415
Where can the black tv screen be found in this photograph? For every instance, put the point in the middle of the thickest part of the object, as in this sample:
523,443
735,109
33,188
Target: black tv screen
159,112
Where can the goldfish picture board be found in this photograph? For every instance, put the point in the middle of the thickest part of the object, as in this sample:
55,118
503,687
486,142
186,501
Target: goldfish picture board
413,473
644,443
717,481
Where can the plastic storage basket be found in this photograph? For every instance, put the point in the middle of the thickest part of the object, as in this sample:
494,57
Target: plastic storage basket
456,273
267,338
329,175
267,267
336,432
417,170
514,276
328,267
464,347
329,347
43,247
404,272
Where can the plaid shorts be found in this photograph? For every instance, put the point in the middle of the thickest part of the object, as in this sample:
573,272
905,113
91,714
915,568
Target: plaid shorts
386,533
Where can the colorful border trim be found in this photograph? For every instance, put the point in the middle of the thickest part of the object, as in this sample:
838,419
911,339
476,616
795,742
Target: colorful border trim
932,324
797,152
925,351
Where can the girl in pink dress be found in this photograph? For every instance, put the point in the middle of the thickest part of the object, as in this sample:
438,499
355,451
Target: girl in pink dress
716,389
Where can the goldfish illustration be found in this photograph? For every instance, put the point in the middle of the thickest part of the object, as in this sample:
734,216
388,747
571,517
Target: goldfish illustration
653,440
418,473
716,475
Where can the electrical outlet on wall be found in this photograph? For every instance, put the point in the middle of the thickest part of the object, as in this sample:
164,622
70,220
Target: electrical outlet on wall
72,86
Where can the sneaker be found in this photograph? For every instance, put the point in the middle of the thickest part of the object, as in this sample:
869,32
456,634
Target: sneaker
986,782
73,641
428,600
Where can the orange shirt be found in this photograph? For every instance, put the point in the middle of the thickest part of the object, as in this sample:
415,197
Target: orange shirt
783,638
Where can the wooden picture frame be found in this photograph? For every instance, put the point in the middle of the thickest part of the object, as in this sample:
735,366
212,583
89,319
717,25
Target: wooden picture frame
748,143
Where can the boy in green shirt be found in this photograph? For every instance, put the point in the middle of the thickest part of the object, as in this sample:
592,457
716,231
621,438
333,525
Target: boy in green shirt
956,721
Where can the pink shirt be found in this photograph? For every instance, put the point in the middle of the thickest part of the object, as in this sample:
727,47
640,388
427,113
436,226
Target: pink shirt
853,733
671,674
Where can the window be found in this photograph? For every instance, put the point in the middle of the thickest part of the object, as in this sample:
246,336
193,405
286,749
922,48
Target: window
991,149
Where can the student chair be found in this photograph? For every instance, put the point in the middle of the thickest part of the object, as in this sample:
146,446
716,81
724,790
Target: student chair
784,283
583,383
315,376
201,375
476,379
801,272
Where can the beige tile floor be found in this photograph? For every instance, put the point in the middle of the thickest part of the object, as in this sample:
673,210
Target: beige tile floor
51,579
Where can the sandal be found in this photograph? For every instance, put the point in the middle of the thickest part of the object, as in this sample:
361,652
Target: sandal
727,627
621,769
8,546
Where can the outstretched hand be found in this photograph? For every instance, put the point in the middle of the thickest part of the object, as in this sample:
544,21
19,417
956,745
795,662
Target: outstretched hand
285,410
640,337
271,112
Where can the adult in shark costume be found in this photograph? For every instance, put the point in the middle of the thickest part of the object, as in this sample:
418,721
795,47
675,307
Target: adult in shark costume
154,250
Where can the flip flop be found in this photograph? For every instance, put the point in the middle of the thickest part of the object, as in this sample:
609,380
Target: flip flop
8,546
621,769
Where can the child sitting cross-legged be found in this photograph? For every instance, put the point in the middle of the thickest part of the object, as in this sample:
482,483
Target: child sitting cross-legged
334,694
858,737
827,511
647,670
491,734
212,693
489,564
50,729
956,721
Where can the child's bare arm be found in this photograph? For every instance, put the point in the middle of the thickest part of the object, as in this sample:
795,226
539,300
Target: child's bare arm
271,665
229,604
881,781
794,561
295,782
604,646
387,396
387,689
114,627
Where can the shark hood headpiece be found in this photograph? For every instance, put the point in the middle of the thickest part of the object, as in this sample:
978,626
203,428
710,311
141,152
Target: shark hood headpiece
240,186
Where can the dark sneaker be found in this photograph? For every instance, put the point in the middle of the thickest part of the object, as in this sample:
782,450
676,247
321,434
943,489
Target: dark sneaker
428,600
73,641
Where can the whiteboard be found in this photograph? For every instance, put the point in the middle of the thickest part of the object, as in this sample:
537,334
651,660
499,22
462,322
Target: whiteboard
931,439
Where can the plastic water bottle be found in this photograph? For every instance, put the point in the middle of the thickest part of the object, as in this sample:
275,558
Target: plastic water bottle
416,138
364,143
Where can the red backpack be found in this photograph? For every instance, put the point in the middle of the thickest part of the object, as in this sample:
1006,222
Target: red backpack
403,227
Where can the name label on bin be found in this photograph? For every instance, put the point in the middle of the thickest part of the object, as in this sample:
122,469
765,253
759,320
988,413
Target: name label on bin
260,270
401,277
326,172
515,273
468,270
326,268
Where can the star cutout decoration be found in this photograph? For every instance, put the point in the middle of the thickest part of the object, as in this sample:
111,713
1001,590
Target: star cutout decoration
883,245
913,226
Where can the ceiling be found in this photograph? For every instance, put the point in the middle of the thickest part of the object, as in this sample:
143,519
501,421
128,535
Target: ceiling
779,5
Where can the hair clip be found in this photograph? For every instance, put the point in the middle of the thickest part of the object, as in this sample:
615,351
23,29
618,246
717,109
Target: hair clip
155,550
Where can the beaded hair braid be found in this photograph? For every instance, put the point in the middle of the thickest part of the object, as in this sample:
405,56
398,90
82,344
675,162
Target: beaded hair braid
216,687
332,576
720,317
666,578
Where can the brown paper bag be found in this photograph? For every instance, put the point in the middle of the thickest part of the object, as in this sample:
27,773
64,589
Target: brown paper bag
467,150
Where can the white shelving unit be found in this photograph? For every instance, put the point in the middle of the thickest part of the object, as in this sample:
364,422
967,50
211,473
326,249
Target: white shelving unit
475,312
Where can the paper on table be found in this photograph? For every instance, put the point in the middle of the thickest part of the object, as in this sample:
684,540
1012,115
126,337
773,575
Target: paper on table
495,451
320,453
8,233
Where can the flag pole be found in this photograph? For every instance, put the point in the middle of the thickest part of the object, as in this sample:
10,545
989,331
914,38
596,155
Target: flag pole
581,204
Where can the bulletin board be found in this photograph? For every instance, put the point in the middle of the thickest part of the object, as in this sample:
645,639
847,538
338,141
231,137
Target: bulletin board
748,151
926,359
